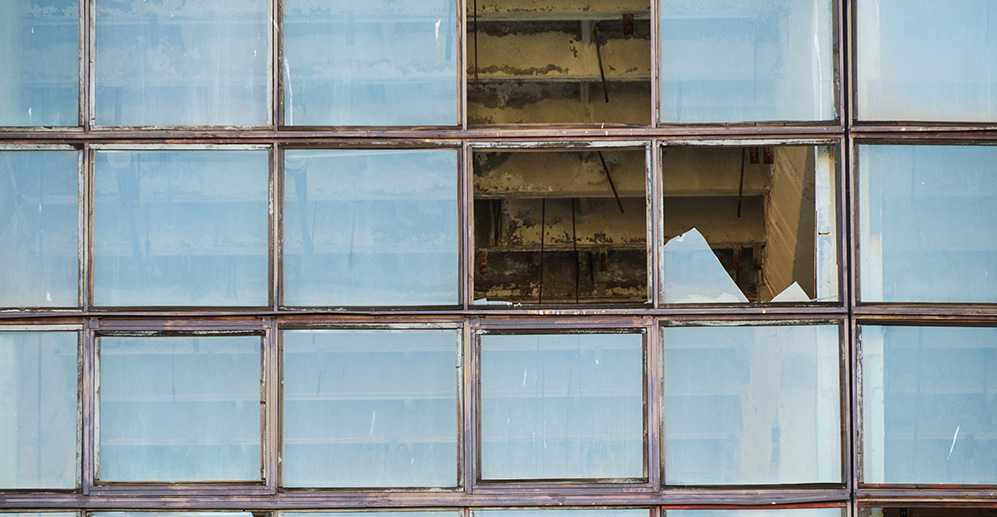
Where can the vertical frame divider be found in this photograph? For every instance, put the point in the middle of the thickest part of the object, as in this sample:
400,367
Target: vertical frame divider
272,392
466,220
83,107
276,62
470,413
655,398
87,198
656,228
89,392
275,221
461,28
89,72
655,65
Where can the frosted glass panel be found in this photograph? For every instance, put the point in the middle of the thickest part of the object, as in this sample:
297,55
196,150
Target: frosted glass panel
181,228
752,405
562,406
38,386
370,227
561,513
370,408
382,63
926,216
39,62
197,62
744,60
926,60
180,408
929,405
782,512
39,221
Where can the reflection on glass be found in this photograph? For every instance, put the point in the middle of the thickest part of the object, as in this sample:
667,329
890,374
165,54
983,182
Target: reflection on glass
562,513
382,63
749,224
38,386
370,408
39,222
926,60
751,405
560,226
739,60
373,514
197,62
370,227
929,405
765,512
180,408
181,228
562,406
171,514
39,62
926,216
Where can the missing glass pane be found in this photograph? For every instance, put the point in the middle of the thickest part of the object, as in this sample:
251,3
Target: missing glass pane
560,226
558,62
748,224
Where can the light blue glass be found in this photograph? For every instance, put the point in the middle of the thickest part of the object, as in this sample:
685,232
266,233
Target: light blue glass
180,408
562,406
39,227
926,216
370,227
370,408
171,514
926,61
38,389
764,512
190,63
752,405
629,512
382,63
39,62
181,228
744,60
929,404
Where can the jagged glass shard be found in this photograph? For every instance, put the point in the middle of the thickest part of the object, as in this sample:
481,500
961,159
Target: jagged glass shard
694,274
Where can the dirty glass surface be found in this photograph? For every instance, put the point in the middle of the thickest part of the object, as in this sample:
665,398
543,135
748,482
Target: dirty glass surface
38,387
39,62
39,228
382,63
926,61
563,513
370,408
562,406
751,405
183,408
749,224
181,228
929,404
560,226
171,514
926,215
743,60
197,62
370,227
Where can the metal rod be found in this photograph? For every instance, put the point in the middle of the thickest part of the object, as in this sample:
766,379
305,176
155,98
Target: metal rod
475,41
574,245
543,224
612,185
740,186
598,55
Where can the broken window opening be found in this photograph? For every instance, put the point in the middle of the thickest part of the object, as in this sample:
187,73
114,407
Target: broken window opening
559,62
748,224
560,226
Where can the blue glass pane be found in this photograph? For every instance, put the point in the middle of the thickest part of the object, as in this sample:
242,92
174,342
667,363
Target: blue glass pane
181,228
38,387
926,215
382,63
39,62
562,513
180,408
744,60
370,408
370,227
562,406
197,62
926,60
39,227
781,512
752,405
929,405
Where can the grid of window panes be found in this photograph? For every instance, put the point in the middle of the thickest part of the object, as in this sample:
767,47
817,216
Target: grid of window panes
497,258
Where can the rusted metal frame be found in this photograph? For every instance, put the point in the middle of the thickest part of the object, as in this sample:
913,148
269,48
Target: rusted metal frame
550,487
842,73
275,39
88,390
889,498
83,105
833,504
465,240
277,407
84,227
276,228
654,404
467,469
88,227
461,51
89,73
272,399
655,62
855,412
656,219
